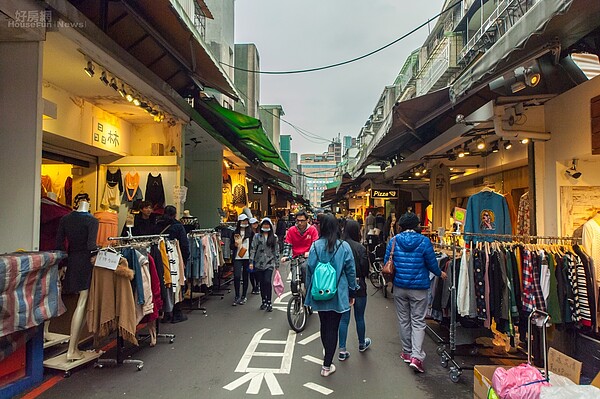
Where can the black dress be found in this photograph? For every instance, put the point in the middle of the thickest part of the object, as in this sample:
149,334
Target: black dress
80,229
155,192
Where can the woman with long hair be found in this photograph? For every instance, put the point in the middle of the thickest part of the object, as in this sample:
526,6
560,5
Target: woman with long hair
352,237
330,249
264,257
240,245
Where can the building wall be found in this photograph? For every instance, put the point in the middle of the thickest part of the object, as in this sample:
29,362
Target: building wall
248,84
569,121
220,38
285,145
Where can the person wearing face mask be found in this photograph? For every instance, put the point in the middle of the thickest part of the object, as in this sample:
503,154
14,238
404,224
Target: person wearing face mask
253,281
240,246
264,257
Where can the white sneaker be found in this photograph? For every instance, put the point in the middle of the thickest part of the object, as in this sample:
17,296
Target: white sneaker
326,372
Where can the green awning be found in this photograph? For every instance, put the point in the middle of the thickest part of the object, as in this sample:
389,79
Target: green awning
334,184
245,133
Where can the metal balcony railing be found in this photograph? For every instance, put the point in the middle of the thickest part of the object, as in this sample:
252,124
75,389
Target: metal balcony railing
442,59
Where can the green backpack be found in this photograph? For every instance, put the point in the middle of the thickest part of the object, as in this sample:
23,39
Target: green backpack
325,280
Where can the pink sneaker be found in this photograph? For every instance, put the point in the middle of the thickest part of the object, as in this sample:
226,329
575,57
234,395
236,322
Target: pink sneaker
417,365
405,357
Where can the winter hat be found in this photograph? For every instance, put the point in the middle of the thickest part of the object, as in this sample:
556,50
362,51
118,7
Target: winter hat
243,216
253,220
409,221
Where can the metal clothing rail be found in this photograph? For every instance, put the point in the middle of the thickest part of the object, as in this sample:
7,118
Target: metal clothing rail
529,238
138,238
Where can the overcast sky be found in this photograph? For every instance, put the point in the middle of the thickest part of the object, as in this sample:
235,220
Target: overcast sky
294,34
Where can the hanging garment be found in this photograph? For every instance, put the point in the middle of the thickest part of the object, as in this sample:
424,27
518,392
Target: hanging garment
180,274
463,290
173,265
155,192
146,307
46,185
439,196
80,230
239,195
155,254
591,243
134,264
69,191
50,214
132,196
512,211
194,269
157,302
111,198
108,226
111,304
115,179
524,215
487,213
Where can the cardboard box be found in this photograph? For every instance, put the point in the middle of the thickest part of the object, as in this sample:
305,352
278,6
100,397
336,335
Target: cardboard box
561,364
483,380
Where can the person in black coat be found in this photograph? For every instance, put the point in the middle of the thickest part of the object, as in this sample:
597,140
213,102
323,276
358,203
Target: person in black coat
352,237
144,223
168,224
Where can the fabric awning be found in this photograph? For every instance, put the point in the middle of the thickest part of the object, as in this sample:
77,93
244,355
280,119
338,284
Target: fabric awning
245,133
548,25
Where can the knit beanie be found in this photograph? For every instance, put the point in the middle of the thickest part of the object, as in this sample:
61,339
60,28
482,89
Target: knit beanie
409,221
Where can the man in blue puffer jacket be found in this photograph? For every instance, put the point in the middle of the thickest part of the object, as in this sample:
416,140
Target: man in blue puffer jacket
413,259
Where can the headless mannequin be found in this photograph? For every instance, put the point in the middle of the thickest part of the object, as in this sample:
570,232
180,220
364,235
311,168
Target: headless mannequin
77,320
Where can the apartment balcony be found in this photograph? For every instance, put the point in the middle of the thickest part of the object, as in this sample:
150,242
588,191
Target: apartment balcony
500,20
440,66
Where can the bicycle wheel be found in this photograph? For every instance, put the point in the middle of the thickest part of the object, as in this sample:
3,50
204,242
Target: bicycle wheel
374,277
296,313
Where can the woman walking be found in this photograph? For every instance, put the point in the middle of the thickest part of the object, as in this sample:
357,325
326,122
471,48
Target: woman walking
264,257
329,249
359,252
413,258
242,237
253,281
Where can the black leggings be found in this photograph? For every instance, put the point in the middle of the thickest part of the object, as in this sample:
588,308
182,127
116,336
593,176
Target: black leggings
330,324
264,278
240,271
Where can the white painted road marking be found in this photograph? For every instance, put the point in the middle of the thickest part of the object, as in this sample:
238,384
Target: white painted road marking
255,374
318,388
312,359
310,339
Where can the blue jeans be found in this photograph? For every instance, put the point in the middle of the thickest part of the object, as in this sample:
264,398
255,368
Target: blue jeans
360,305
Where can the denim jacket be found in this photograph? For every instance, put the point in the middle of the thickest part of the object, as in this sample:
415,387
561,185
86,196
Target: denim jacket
343,262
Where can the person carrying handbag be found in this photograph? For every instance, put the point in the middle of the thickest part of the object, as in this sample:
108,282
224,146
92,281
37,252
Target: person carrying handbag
413,257
264,258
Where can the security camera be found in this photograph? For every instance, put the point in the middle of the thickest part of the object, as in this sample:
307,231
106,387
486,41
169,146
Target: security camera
572,171
460,119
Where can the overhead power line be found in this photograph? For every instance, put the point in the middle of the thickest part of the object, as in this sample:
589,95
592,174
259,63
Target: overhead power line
321,68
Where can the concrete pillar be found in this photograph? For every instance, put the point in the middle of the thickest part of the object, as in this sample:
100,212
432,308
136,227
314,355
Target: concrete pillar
204,179
21,144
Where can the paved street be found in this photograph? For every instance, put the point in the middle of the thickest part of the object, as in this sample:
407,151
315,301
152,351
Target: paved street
213,356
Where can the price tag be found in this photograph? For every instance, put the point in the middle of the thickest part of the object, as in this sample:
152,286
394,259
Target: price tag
107,259
460,215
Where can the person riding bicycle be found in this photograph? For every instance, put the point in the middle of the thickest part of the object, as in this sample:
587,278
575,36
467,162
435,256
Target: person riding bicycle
298,241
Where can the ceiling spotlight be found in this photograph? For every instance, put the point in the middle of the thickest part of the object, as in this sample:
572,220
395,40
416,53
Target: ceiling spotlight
507,145
424,170
123,93
460,153
525,140
417,173
113,84
89,69
480,144
104,78
154,112
495,147
136,102
531,78
143,104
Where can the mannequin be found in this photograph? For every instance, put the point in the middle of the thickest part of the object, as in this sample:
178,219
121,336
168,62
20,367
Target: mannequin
80,229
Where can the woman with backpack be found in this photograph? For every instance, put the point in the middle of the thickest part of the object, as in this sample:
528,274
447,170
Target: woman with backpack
264,257
352,237
331,285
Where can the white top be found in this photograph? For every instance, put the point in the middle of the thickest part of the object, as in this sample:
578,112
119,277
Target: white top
245,244
591,243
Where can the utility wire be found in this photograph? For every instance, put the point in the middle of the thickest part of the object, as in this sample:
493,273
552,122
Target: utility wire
321,68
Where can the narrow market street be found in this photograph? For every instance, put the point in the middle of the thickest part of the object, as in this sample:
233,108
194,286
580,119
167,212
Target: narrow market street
210,353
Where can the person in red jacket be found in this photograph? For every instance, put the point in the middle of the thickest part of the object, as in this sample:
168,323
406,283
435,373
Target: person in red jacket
298,241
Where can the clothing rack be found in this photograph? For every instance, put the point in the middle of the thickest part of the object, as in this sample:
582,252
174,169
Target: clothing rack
448,356
231,226
197,233
134,242
525,238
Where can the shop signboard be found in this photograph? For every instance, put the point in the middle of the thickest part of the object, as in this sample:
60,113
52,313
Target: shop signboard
257,188
460,215
106,136
385,194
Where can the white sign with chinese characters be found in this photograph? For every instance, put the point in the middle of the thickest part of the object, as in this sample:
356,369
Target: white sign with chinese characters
106,136
107,259
179,194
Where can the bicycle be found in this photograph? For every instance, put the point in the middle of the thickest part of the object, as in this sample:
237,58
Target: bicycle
376,276
297,311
